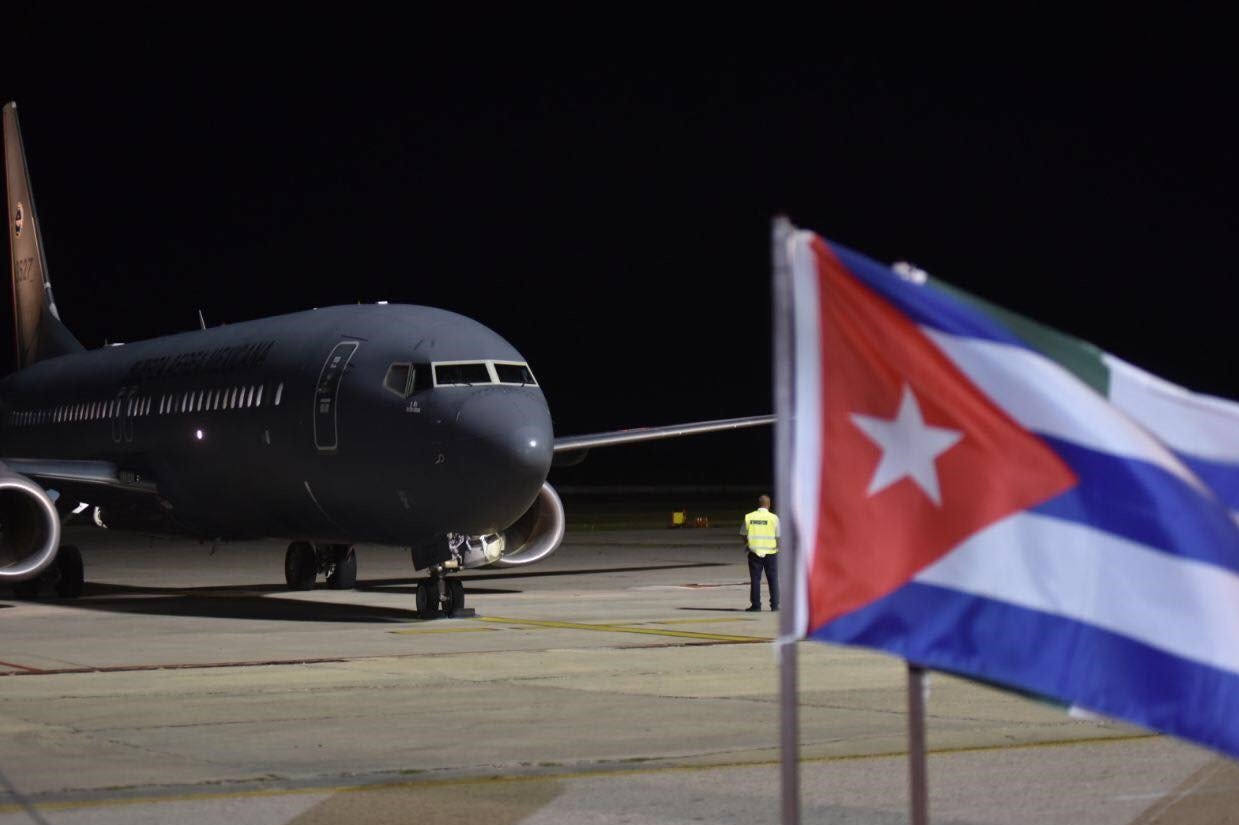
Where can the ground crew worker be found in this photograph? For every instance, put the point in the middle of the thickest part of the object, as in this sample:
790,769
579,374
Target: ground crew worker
761,537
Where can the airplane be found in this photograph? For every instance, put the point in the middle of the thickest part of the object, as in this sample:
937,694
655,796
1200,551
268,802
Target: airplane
385,424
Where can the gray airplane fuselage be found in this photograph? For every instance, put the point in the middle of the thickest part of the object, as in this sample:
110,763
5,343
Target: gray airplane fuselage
290,427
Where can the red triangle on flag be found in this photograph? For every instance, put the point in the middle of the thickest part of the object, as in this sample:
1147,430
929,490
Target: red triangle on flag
879,523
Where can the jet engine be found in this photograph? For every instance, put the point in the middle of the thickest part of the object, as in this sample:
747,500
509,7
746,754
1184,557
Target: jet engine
537,533
533,537
29,527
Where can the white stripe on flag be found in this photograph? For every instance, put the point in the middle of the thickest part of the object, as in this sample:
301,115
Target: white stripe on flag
1195,424
1047,399
807,426
1182,606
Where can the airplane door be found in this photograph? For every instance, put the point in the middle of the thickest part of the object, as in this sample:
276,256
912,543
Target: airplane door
326,396
127,414
122,415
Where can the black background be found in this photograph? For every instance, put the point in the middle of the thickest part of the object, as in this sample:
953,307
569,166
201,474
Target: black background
601,195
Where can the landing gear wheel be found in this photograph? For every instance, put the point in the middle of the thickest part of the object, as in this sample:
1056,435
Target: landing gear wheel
455,599
427,598
344,573
300,566
70,573
28,589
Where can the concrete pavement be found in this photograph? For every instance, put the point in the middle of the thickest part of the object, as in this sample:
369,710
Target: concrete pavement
618,682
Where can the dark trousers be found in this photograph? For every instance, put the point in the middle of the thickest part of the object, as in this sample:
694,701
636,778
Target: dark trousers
756,565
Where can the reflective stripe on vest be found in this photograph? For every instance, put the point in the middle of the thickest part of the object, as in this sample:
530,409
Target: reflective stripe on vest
762,529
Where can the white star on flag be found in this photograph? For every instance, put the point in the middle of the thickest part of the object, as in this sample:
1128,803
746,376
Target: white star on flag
909,446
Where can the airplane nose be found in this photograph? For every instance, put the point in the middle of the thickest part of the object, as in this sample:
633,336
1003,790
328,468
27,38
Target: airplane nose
509,433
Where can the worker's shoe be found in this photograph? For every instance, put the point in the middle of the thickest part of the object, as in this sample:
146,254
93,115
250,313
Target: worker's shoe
756,608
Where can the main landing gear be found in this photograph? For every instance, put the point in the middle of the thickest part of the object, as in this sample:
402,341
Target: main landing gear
66,577
440,596
303,562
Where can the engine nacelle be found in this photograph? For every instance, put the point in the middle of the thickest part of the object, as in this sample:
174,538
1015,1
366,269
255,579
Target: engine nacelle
29,527
537,533
533,537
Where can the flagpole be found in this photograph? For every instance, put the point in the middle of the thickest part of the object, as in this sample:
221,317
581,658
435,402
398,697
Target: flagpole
785,645
918,785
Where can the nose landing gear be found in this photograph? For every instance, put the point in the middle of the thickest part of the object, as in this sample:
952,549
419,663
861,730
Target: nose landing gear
440,596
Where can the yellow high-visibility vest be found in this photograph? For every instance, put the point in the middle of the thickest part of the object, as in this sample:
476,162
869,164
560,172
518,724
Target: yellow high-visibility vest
762,529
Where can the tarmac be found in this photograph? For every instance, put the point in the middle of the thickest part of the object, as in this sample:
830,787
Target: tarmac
620,681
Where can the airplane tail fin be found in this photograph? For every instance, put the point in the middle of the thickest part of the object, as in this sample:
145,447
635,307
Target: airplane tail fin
36,323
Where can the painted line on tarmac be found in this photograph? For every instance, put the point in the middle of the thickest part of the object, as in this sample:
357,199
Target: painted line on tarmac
584,774
429,631
21,668
64,671
622,628
691,621
702,640
722,586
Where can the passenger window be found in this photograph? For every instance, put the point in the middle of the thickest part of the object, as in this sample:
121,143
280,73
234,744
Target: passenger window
399,379
279,391
258,400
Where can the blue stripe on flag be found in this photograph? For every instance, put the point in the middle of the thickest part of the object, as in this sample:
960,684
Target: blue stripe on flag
1223,479
1143,503
1049,655
927,307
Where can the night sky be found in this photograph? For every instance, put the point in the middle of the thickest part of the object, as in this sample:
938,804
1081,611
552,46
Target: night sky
603,200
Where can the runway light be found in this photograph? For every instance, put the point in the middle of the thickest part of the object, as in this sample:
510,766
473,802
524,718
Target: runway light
198,434
533,443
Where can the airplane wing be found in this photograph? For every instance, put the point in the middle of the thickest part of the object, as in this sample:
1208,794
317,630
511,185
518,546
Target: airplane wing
572,443
53,472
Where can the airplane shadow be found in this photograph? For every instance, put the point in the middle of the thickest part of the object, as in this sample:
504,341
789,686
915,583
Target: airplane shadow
409,585
517,574
249,601
241,605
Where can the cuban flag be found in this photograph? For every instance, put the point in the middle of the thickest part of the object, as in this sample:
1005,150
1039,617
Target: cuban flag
978,494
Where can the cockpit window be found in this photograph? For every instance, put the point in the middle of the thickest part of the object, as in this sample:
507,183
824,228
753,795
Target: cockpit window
421,377
468,373
399,379
514,374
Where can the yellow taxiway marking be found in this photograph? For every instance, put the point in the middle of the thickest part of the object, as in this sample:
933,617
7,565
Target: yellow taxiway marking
621,628
719,620
597,773
419,631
